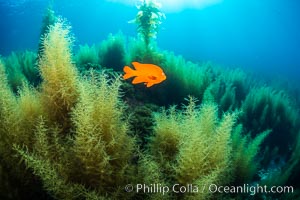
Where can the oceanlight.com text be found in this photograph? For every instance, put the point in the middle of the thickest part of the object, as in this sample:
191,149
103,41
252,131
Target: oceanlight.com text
250,189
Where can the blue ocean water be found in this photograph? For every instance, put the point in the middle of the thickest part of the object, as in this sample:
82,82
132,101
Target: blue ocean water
259,35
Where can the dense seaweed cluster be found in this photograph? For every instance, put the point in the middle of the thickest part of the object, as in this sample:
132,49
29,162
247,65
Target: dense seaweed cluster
70,128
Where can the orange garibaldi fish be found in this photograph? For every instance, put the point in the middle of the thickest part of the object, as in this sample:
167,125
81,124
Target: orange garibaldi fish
148,74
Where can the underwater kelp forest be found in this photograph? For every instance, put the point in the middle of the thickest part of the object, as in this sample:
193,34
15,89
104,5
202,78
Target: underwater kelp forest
71,127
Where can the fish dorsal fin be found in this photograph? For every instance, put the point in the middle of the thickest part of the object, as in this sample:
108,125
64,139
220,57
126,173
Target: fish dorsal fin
138,79
138,66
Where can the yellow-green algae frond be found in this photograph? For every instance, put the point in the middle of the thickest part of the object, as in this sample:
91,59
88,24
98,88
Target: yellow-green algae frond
79,144
148,19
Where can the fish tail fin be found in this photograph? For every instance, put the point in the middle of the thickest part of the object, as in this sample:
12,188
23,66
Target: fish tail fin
128,72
